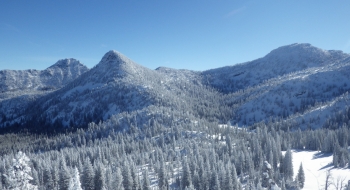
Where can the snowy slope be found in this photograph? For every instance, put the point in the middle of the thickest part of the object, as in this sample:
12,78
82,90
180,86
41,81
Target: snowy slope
293,83
281,61
315,165
114,85
20,88
290,81
294,93
13,82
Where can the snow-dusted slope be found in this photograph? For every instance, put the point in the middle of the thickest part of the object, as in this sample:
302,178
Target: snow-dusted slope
281,61
289,82
117,84
114,85
180,75
63,72
292,83
14,83
115,66
316,165
294,93
20,88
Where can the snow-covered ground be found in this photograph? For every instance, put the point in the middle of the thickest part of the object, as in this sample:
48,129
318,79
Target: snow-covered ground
315,165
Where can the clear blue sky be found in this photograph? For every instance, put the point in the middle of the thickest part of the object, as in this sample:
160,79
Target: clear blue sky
188,34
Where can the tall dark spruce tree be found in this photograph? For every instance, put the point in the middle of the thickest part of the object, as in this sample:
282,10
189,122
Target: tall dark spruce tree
301,176
288,165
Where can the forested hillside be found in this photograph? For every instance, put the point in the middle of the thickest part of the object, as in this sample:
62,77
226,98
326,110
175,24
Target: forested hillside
120,125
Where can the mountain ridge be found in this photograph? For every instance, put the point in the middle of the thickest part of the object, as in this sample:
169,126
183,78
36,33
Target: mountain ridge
288,81
280,61
55,76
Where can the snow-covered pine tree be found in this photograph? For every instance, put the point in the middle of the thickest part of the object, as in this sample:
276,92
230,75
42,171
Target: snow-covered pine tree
297,184
266,174
88,176
136,178
47,178
163,178
288,165
215,183
235,181
146,183
118,181
100,177
128,181
55,176
64,175
18,175
74,182
35,176
196,180
301,176
228,181
109,177
186,175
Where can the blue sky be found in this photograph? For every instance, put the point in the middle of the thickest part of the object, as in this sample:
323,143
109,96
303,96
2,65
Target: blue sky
182,34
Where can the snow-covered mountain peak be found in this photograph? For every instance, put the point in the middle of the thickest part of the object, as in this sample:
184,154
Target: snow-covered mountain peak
279,62
116,65
115,68
51,78
65,68
303,52
115,59
303,49
66,63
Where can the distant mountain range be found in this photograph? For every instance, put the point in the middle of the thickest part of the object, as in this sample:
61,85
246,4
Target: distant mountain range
294,86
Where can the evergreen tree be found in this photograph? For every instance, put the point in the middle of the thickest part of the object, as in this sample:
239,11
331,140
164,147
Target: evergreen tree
301,176
288,165
18,175
109,178
146,183
74,183
88,176
235,181
196,180
267,174
228,181
162,177
47,179
127,177
229,143
55,176
215,183
64,176
186,175
35,176
136,178
297,184
118,182
100,177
